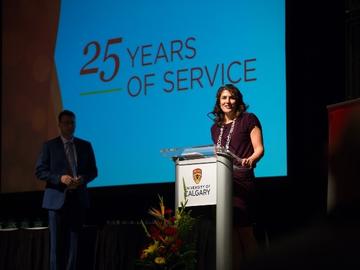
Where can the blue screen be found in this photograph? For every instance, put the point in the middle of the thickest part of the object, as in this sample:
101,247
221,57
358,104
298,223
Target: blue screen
142,76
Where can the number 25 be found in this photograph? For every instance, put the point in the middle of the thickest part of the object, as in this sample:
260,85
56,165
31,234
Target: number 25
86,69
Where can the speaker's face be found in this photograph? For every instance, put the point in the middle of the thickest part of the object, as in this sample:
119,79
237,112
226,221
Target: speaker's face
227,102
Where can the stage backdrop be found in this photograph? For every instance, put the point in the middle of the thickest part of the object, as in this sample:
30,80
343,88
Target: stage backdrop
142,76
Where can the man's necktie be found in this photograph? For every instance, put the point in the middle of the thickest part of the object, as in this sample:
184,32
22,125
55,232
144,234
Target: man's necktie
70,154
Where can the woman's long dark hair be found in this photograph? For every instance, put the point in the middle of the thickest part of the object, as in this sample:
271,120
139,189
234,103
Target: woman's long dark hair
240,106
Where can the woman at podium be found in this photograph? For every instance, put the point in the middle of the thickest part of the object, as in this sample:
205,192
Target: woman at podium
239,132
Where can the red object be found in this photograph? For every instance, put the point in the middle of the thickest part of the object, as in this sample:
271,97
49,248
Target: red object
338,116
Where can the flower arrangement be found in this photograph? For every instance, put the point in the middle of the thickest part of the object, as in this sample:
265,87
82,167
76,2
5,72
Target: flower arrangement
169,234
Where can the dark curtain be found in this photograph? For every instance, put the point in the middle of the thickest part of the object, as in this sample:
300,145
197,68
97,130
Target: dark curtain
24,249
111,247
118,246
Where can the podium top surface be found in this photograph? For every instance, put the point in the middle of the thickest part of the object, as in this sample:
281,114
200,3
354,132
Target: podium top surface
203,151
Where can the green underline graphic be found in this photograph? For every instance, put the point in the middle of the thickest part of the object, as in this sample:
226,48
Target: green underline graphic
97,92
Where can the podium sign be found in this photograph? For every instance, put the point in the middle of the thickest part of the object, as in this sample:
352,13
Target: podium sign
199,177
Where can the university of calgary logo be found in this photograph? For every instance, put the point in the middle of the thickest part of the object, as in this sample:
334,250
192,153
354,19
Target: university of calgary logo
197,174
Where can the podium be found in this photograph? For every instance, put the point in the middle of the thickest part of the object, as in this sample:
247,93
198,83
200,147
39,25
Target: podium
204,177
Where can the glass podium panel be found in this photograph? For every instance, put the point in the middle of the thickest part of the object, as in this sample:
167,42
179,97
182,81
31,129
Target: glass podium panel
183,153
202,151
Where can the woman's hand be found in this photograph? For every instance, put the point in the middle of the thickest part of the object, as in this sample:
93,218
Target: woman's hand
247,162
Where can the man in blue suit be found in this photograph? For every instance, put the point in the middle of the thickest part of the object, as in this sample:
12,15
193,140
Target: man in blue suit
67,164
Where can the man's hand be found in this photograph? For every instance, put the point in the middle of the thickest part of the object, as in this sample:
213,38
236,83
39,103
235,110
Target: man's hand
76,182
66,179
70,181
